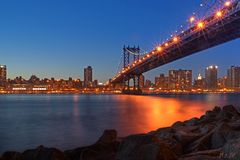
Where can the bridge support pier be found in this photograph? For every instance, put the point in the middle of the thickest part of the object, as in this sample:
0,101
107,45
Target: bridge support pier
135,89
131,54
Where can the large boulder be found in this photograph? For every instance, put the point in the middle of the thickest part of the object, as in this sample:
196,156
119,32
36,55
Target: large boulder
109,136
201,144
186,135
231,149
172,137
104,149
229,113
223,133
10,155
42,153
203,155
144,147
210,116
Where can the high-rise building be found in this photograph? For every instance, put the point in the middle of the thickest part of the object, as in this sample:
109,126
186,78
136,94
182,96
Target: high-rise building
199,83
180,79
222,82
95,83
3,74
148,84
87,76
211,75
161,82
233,78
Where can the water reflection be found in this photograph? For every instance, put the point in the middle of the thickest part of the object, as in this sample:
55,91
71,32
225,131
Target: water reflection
143,114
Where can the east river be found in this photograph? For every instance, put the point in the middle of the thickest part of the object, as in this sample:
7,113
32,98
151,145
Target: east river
70,121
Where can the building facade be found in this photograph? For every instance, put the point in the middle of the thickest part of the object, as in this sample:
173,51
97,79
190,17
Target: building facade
3,74
199,83
161,82
233,78
211,75
88,78
180,80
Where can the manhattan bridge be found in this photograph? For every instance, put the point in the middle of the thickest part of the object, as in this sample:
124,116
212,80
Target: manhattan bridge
217,24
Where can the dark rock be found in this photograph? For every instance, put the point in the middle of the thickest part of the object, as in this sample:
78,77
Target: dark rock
164,152
144,147
11,156
94,152
184,137
220,135
130,146
208,154
229,112
200,157
178,123
210,116
201,144
42,153
217,109
206,128
192,122
109,136
231,149
154,151
169,136
104,149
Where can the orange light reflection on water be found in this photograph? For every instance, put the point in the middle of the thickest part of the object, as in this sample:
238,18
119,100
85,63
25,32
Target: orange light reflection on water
148,113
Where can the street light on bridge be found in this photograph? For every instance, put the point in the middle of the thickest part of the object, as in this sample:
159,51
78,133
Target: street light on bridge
159,49
219,14
175,39
227,3
200,25
191,19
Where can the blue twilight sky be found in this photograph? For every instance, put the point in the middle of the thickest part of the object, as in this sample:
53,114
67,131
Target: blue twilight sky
58,38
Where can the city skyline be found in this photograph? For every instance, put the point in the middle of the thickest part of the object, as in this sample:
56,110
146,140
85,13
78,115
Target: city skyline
91,76
57,39
89,72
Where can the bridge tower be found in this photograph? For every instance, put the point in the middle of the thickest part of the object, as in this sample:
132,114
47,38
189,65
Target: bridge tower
130,55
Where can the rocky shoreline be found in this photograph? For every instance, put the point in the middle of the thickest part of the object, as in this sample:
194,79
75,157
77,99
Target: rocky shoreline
213,136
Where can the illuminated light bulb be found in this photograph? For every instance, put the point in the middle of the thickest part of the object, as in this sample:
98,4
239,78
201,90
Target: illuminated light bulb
192,19
227,4
200,25
219,14
175,39
148,55
159,49
166,44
